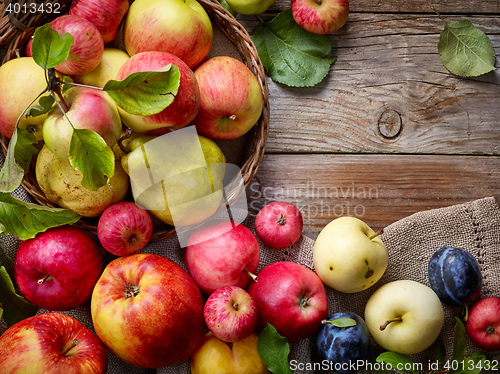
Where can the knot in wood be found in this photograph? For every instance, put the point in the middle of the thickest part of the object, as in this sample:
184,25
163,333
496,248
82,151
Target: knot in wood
389,124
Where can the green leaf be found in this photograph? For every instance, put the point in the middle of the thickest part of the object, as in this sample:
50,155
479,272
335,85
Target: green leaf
459,341
473,364
465,50
15,307
292,55
91,156
341,322
227,7
44,105
274,350
49,49
145,93
24,220
440,351
394,359
21,149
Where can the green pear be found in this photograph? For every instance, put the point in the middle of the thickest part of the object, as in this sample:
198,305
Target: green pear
178,176
61,184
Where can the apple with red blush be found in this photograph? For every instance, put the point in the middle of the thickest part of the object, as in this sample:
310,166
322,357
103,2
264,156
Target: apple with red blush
124,228
279,224
320,16
290,297
222,253
483,323
58,268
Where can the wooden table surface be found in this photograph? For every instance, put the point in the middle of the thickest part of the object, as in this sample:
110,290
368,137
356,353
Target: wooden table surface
389,132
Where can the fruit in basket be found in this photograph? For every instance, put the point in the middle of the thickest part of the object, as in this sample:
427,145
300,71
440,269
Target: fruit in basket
483,323
349,256
279,224
320,16
21,81
454,275
58,268
106,15
231,98
188,171
222,253
87,48
148,311
250,7
124,228
182,28
62,185
291,297
51,343
216,356
111,62
343,345
231,314
185,105
88,108
404,316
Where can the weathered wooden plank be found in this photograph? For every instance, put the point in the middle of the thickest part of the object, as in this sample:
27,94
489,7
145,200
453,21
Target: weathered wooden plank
379,189
390,62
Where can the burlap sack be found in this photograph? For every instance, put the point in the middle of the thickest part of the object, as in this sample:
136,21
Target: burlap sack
410,242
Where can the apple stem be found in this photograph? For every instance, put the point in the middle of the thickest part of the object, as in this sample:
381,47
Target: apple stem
126,135
250,274
378,233
83,85
73,344
235,306
389,321
45,277
281,220
319,2
490,330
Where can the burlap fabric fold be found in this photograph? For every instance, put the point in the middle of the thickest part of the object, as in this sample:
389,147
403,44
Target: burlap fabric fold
474,226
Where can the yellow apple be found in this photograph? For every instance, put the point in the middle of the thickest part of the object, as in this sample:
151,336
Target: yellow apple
215,356
349,256
111,61
250,6
404,316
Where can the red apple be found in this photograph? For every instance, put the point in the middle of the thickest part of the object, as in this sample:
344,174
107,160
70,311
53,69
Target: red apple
28,51
148,311
51,343
320,16
106,15
58,268
231,98
291,297
180,27
124,228
87,48
483,323
231,313
88,109
279,224
185,105
222,253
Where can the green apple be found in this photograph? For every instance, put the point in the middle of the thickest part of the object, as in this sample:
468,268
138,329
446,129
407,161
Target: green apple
349,256
250,6
404,316
111,62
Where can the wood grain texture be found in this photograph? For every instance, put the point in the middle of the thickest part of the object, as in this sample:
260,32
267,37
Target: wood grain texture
379,189
390,62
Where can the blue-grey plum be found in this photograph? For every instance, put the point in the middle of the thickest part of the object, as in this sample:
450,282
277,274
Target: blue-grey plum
454,275
343,346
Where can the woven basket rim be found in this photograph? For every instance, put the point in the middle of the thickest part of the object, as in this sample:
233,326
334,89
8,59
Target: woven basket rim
16,34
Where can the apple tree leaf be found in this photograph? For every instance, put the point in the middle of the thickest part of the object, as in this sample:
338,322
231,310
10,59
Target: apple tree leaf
44,106
292,55
465,50
473,364
396,360
145,93
91,156
440,350
24,220
21,150
459,341
274,350
15,307
49,49
341,322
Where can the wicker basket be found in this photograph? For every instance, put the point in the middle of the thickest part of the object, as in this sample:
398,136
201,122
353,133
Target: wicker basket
16,29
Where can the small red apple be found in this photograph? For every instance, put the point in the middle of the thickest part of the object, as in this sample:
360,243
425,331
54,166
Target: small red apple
291,297
320,16
124,228
58,268
231,313
483,323
51,343
279,224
